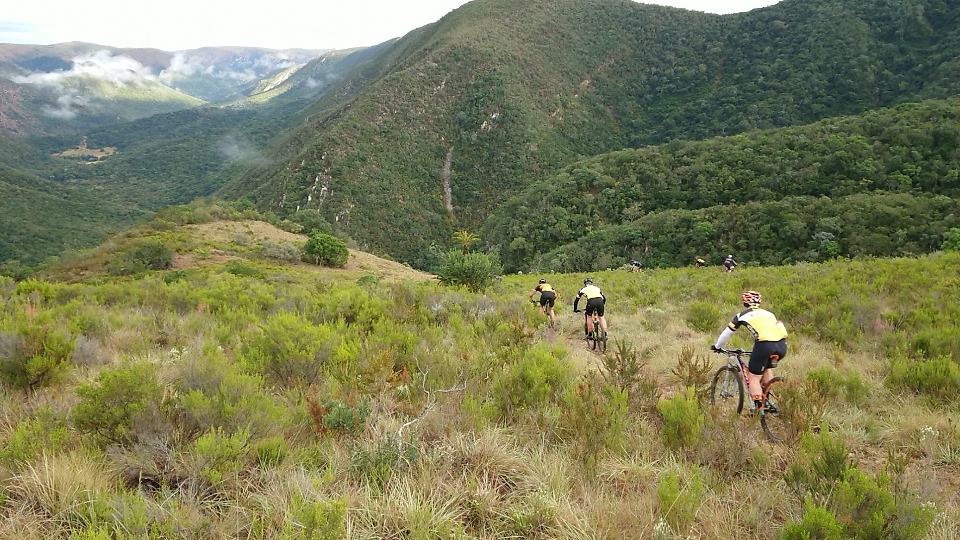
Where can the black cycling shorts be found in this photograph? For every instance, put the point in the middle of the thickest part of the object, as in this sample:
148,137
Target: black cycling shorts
594,305
766,354
547,298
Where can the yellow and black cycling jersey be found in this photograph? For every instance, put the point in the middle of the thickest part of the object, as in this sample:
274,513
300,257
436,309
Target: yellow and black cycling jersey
544,287
590,291
762,324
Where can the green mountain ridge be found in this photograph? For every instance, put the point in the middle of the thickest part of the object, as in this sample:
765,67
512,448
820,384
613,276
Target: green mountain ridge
501,94
725,186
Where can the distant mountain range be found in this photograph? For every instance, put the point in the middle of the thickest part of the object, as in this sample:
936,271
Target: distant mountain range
48,88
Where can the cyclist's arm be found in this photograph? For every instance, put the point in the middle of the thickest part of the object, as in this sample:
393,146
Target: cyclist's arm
723,337
575,302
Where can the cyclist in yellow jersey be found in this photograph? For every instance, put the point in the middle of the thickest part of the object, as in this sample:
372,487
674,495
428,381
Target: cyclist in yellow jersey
547,297
595,302
770,341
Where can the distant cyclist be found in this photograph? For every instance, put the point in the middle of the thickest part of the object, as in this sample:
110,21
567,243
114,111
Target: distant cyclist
729,263
770,341
699,262
547,297
595,302
636,265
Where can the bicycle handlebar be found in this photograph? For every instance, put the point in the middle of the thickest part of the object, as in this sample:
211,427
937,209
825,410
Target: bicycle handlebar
736,352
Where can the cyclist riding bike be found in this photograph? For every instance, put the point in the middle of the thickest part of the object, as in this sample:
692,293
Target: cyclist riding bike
595,302
636,265
547,297
699,262
769,346
729,263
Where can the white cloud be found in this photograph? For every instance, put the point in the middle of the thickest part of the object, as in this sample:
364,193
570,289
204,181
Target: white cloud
65,110
104,65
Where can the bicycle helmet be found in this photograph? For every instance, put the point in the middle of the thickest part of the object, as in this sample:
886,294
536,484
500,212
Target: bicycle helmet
542,281
751,298
587,281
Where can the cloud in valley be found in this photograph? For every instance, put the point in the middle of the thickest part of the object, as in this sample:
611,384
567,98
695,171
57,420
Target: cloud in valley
119,70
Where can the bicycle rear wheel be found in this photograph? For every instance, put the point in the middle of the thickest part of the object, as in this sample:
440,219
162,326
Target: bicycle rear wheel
727,390
771,417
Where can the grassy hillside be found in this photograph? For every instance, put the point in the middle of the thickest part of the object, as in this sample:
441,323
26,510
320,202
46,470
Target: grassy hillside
498,94
237,396
881,183
40,218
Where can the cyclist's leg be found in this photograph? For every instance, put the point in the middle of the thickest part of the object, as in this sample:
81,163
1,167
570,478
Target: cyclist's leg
603,320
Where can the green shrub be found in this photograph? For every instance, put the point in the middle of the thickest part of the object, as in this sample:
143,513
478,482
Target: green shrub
110,404
281,251
239,268
624,369
831,384
703,316
475,271
150,255
816,522
326,250
36,354
693,371
679,503
599,405
539,377
219,455
44,432
214,392
271,451
290,350
682,420
937,377
324,519
333,415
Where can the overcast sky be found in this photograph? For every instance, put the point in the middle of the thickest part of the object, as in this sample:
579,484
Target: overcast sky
277,24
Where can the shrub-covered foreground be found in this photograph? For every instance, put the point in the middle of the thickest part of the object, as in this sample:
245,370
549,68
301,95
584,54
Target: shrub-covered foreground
278,403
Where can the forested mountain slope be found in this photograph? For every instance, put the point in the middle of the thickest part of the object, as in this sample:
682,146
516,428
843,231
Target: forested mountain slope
881,183
442,126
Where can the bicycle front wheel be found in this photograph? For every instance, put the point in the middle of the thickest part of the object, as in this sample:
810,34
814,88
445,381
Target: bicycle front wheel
727,390
772,418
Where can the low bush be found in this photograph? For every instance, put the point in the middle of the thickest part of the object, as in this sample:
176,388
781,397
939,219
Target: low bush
703,316
110,404
150,255
680,498
36,353
682,420
937,377
474,270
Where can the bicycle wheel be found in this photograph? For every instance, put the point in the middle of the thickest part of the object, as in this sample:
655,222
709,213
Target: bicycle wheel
771,417
601,342
727,390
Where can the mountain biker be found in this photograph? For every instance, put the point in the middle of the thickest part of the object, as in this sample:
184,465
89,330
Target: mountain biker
636,265
769,346
699,262
729,263
595,303
547,297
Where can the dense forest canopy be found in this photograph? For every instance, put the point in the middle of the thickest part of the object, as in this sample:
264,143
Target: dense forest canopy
769,195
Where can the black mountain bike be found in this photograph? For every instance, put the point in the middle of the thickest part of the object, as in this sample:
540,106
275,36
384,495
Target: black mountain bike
597,339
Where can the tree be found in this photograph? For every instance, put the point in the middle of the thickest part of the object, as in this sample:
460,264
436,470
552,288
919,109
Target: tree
326,250
951,240
465,238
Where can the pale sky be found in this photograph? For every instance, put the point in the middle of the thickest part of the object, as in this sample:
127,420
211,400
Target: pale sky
276,24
